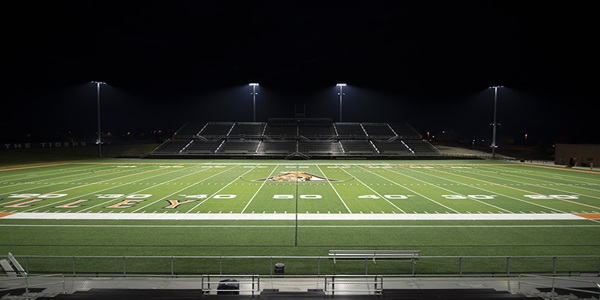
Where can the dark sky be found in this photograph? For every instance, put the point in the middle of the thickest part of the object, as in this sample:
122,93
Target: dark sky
426,63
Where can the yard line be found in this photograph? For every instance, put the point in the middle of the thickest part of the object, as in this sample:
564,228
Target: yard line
66,182
336,192
565,174
113,200
180,190
546,187
261,186
215,193
34,166
482,189
415,192
378,194
37,174
85,185
522,190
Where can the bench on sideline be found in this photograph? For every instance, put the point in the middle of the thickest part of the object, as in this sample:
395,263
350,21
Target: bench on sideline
373,254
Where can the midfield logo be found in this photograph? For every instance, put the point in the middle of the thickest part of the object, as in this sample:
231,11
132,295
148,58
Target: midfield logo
296,176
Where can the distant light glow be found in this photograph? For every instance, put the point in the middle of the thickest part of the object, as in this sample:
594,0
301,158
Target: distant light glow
253,84
340,84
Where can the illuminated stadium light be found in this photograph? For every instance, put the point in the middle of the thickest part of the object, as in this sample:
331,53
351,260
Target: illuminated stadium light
99,140
341,94
494,146
253,85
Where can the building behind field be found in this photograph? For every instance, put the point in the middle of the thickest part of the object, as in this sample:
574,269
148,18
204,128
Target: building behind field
584,155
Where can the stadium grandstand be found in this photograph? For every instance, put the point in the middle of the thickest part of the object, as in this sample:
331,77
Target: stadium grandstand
296,138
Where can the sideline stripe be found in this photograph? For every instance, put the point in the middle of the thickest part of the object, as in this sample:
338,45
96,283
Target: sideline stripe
4,214
589,216
292,216
32,167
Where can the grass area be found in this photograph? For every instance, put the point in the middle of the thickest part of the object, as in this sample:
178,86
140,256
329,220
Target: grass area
174,209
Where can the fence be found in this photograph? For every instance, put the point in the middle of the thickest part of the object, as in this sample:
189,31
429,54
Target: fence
551,287
309,265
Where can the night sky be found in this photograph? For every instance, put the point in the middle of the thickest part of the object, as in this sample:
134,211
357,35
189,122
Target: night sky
426,63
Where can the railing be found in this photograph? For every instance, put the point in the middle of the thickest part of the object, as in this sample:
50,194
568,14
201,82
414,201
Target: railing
309,265
29,282
589,288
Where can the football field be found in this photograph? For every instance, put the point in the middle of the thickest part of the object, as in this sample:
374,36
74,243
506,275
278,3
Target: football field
262,207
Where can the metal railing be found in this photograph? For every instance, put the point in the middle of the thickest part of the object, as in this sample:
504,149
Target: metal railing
590,288
29,282
309,265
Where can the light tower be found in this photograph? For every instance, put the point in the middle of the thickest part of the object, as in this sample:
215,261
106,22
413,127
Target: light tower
494,146
99,140
341,94
253,85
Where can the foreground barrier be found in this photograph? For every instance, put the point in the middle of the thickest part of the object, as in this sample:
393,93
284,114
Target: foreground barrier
309,265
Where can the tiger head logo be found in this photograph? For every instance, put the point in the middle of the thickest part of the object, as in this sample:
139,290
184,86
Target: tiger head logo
296,176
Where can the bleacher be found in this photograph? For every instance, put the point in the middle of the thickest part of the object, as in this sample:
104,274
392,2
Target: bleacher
295,138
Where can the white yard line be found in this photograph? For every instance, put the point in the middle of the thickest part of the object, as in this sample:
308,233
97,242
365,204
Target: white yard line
178,191
290,216
374,191
336,192
218,191
261,186
413,191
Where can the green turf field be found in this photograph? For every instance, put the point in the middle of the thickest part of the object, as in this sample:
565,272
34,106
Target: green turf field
305,208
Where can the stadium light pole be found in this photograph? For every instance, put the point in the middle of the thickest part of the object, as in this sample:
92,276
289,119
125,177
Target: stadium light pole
341,94
494,146
253,85
99,140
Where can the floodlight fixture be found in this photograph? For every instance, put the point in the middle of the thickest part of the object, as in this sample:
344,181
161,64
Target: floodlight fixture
494,125
99,140
341,94
253,85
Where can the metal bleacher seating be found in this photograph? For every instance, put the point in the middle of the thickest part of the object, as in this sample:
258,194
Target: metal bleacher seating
296,137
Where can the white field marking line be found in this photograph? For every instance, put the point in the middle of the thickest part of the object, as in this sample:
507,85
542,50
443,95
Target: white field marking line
544,179
37,176
101,190
289,226
492,192
29,189
413,191
261,186
555,198
561,174
215,193
374,191
86,185
566,172
462,184
336,192
291,217
522,190
179,191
